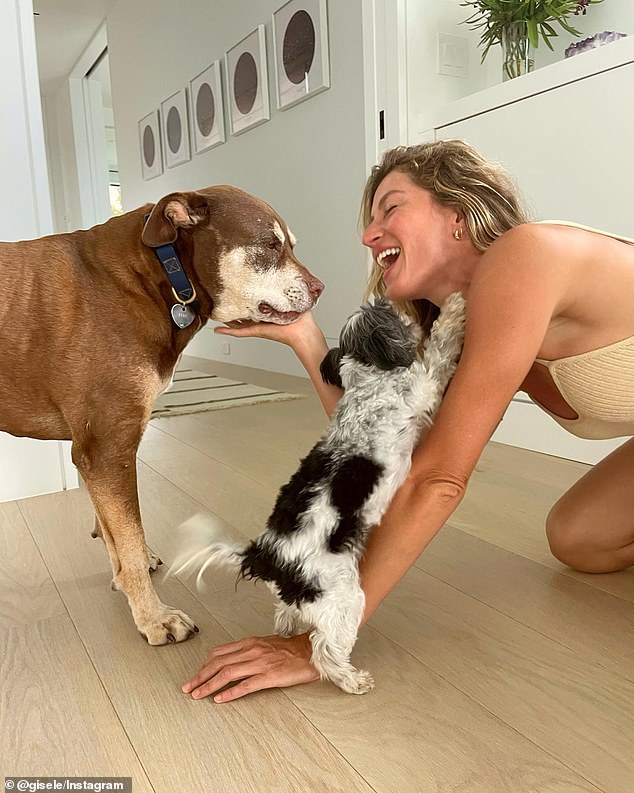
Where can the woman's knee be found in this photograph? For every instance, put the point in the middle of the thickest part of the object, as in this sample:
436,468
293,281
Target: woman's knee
577,546
570,541
562,536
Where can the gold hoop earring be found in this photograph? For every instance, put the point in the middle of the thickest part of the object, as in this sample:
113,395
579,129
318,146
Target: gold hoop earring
458,233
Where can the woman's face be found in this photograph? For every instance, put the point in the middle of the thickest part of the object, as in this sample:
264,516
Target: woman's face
411,239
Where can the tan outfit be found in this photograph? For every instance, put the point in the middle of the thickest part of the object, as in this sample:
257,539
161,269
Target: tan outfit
598,385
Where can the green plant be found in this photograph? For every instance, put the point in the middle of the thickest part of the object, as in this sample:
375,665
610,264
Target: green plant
495,15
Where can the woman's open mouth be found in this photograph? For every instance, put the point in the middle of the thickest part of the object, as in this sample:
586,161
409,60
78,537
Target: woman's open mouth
387,258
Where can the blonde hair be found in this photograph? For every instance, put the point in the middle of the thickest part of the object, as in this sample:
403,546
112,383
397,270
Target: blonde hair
457,176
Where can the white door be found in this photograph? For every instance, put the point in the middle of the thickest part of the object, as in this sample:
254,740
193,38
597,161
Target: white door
385,76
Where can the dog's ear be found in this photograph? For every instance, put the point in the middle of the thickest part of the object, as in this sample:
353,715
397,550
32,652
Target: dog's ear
379,337
389,350
329,367
173,212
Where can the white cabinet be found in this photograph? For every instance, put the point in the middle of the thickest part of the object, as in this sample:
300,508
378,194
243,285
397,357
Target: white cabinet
569,148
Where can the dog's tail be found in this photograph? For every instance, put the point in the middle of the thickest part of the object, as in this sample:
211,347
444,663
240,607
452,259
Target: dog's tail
200,548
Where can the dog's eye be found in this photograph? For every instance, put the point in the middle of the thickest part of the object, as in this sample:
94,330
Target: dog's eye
274,244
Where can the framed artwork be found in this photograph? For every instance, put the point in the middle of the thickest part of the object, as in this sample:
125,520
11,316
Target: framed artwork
247,82
300,37
150,145
175,129
207,115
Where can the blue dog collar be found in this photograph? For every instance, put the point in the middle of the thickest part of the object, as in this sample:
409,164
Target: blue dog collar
182,287
185,310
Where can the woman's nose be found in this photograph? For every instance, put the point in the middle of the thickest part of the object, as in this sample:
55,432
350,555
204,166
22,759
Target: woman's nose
371,234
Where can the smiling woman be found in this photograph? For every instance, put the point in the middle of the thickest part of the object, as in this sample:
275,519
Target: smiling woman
457,176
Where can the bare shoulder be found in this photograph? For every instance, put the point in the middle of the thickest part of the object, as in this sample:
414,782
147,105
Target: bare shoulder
524,270
531,245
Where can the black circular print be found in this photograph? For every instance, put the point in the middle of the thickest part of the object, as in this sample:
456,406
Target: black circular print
149,148
298,51
174,129
245,83
205,109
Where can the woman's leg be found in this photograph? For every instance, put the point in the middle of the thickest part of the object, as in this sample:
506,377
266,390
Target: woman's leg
591,527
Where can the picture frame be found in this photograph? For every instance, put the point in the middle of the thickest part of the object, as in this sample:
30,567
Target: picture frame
300,40
247,82
150,145
207,112
175,129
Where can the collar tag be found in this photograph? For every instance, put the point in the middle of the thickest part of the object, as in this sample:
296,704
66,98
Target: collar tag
182,315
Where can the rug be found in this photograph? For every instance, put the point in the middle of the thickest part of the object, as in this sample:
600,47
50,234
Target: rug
196,392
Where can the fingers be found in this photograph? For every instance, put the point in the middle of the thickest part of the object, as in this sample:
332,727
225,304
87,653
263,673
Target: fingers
213,665
253,664
243,331
248,686
248,670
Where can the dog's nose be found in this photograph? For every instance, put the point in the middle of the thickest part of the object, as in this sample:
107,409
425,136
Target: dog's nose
315,287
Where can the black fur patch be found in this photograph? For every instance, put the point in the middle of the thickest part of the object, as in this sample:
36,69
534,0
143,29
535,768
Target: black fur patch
295,496
329,367
260,562
376,336
355,479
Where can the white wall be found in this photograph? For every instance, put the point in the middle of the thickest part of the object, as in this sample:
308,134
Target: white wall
307,162
613,15
27,467
428,90
24,199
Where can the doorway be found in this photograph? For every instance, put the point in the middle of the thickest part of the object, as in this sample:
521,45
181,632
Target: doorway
102,143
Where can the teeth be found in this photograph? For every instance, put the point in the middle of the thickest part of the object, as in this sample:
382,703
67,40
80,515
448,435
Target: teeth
388,252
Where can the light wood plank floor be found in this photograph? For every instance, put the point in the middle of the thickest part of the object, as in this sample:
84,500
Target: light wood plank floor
497,669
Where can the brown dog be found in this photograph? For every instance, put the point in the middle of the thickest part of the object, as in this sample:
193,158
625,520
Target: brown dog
91,330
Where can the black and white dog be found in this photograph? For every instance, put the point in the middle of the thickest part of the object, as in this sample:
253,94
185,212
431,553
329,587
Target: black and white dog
310,551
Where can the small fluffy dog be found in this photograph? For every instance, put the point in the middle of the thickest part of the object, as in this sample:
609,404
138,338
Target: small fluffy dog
310,551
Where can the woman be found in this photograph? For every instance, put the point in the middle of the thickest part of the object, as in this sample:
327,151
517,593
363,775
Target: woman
439,218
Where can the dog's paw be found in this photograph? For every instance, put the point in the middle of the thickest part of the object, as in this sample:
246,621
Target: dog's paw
169,627
153,561
356,682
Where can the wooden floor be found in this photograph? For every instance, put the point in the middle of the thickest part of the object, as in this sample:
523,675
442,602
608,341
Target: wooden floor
496,668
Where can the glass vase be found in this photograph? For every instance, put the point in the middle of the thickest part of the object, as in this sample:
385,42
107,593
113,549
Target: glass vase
517,55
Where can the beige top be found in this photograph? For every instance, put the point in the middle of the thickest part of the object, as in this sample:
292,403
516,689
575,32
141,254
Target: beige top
598,385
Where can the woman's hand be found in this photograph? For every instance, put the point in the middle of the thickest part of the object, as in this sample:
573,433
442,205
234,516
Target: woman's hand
302,332
257,662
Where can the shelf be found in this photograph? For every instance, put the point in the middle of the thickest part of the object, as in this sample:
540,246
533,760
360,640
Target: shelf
602,59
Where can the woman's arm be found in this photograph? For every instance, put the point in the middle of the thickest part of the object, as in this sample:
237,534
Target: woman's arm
520,286
307,341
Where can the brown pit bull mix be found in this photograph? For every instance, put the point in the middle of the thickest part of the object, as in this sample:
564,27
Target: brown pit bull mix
91,330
